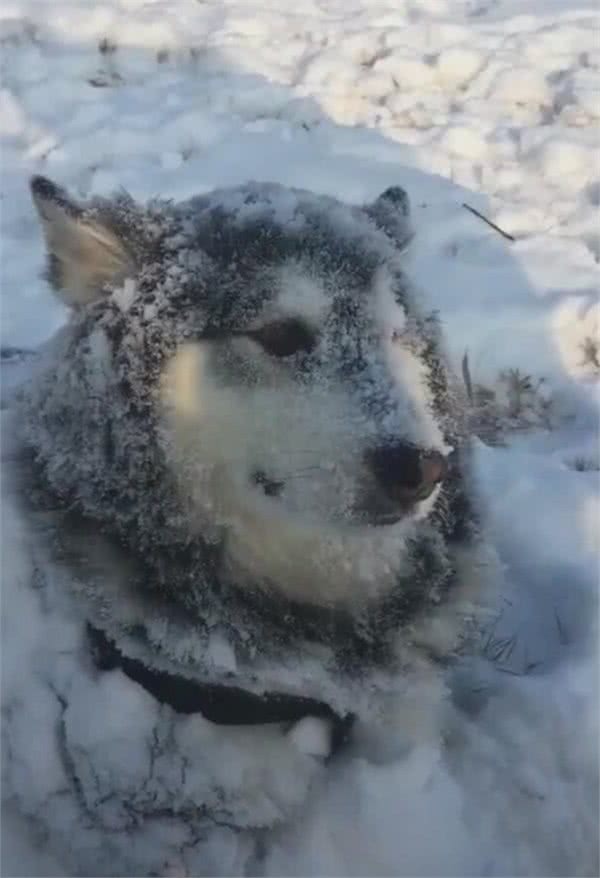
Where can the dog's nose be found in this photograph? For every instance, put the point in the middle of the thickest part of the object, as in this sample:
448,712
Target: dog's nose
406,473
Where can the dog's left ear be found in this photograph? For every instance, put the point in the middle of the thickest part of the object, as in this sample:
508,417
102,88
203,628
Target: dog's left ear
85,255
391,213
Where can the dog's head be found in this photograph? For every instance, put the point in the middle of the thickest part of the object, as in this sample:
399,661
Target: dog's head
284,371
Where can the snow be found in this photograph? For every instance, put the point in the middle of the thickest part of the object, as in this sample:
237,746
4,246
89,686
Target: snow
493,103
312,736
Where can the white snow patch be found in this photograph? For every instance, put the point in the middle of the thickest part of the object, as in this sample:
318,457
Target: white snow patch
457,65
125,295
312,736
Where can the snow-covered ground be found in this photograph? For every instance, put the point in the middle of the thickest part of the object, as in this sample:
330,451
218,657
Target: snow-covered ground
493,103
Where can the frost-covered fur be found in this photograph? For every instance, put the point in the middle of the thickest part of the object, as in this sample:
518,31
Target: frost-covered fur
249,470
231,365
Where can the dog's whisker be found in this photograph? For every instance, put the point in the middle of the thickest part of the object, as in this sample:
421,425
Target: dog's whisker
305,473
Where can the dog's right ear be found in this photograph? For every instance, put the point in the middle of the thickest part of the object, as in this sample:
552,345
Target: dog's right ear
85,256
391,213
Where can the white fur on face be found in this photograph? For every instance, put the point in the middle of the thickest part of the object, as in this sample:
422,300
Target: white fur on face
302,294
409,371
310,438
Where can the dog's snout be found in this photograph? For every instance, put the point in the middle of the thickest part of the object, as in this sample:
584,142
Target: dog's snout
406,473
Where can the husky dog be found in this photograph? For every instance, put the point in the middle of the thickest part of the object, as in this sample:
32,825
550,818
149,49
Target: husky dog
250,398
255,460
249,395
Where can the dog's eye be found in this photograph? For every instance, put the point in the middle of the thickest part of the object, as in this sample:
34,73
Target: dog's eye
285,337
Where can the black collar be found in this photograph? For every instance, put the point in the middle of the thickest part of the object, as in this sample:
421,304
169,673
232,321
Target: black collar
219,703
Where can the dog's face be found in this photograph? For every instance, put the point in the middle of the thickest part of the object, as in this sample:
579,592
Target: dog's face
298,389
313,404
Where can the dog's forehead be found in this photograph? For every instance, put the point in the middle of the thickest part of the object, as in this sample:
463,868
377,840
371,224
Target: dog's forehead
301,292
288,250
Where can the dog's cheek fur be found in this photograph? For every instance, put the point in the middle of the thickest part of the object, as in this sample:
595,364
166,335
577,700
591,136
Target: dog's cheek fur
304,437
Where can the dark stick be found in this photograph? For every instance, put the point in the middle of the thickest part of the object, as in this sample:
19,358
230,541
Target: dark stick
489,222
467,376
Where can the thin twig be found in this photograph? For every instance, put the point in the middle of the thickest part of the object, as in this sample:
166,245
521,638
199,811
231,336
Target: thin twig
489,222
562,635
466,372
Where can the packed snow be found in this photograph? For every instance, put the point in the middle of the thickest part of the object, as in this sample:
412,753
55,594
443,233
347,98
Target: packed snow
490,103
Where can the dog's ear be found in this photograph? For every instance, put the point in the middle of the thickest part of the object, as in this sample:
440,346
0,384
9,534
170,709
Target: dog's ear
85,256
391,213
